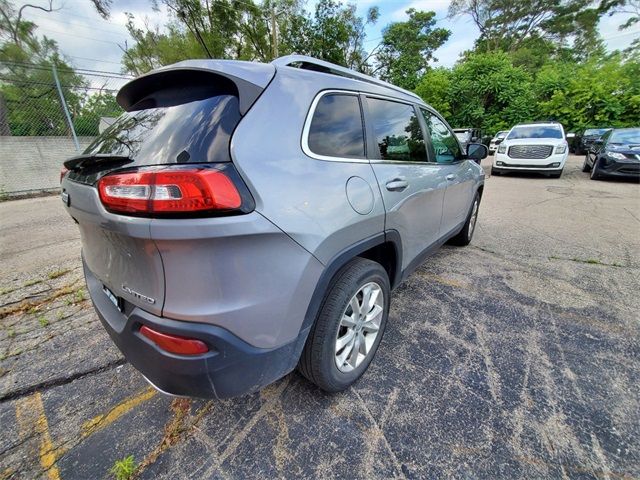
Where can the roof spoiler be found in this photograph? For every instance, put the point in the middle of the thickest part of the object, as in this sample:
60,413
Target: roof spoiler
247,80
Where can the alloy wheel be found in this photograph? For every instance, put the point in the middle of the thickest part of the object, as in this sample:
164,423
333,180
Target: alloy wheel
359,327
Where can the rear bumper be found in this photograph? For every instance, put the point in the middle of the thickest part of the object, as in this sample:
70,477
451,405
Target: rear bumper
231,368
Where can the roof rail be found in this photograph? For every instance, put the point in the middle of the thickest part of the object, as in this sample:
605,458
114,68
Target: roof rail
311,63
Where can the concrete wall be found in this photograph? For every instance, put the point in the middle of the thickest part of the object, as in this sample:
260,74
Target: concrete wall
32,164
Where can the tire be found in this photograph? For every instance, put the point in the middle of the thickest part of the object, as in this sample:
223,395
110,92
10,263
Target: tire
594,170
321,356
585,165
465,236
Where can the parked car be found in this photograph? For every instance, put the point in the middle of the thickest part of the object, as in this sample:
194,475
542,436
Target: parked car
237,222
534,147
587,138
495,141
616,154
468,135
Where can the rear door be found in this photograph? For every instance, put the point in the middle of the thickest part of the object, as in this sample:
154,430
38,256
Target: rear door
412,187
457,171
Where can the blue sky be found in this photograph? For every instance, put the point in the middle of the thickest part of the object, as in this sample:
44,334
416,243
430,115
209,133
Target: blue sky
91,42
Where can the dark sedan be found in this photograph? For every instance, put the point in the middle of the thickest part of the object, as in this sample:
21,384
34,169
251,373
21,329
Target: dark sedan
616,154
590,135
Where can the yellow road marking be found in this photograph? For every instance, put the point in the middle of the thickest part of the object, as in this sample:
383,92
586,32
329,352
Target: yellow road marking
33,421
101,421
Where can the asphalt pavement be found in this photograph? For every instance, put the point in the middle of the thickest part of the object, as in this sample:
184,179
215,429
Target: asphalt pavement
515,357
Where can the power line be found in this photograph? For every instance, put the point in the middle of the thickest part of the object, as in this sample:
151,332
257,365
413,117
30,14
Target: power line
82,71
32,82
78,36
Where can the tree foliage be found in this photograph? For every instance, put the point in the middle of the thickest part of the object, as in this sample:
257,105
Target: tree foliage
407,48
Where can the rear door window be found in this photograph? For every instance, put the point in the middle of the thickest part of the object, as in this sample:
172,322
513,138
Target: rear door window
336,128
397,131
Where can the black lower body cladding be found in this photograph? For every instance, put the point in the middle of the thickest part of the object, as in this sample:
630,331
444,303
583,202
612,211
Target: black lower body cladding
231,368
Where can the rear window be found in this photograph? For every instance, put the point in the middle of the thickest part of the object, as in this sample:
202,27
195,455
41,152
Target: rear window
537,131
191,132
336,128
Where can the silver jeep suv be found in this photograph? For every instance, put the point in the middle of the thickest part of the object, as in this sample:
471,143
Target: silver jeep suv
244,218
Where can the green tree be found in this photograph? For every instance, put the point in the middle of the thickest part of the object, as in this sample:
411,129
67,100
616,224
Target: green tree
27,87
483,90
407,48
100,104
434,87
507,25
598,93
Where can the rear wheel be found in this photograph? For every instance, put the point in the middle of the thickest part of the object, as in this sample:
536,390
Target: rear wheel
466,234
349,327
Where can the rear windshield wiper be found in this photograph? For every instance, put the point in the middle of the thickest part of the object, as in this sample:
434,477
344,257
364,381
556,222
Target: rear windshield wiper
95,160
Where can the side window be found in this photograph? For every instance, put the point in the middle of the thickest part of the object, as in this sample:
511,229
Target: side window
445,145
336,128
397,131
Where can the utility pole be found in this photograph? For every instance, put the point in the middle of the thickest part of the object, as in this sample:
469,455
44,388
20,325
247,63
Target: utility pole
64,107
274,33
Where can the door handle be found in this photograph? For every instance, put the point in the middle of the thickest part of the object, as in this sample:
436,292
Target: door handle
397,184
451,177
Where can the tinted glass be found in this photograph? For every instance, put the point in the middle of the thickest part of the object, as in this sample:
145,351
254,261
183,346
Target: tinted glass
397,131
445,145
336,128
197,131
631,136
594,131
542,131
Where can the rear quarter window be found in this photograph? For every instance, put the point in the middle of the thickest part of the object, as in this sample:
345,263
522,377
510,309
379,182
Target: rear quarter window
336,128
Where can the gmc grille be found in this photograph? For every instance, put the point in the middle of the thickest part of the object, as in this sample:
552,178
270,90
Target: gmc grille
530,151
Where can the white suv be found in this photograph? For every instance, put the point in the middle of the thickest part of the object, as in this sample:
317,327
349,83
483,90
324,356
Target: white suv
532,147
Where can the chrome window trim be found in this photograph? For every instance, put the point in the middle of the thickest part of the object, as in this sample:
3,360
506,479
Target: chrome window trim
307,126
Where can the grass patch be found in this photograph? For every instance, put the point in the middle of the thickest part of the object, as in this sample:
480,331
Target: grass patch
123,469
43,321
80,295
11,333
57,273
31,282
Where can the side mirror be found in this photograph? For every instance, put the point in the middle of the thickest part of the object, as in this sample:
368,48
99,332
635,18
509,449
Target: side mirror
571,135
477,151
498,141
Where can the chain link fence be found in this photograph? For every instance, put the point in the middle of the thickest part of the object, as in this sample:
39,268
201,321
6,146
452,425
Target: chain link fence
40,100
46,116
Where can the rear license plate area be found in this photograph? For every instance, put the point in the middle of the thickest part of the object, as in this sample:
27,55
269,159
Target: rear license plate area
117,301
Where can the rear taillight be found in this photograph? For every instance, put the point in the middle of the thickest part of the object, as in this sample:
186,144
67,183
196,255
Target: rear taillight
174,343
174,190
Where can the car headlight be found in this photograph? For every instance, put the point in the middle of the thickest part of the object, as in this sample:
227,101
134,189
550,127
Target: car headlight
561,149
617,155
502,148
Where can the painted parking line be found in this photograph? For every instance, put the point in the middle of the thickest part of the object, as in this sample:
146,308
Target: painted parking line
32,421
101,421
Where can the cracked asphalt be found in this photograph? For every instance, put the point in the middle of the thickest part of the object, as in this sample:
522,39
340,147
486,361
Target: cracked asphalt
516,357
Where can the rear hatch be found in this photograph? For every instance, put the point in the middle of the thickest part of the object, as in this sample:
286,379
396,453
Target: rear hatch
159,159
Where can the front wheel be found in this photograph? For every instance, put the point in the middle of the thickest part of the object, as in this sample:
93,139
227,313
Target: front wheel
349,327
466,234
585,165
595,175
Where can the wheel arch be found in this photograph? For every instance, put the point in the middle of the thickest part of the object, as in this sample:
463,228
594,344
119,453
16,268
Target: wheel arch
384,248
